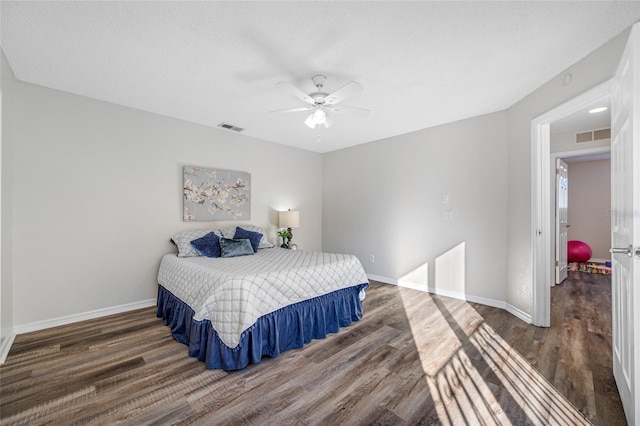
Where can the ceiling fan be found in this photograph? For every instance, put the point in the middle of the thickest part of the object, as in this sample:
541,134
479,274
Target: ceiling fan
320,104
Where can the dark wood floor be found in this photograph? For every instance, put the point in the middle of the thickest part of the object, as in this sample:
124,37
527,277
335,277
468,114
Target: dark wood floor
415,358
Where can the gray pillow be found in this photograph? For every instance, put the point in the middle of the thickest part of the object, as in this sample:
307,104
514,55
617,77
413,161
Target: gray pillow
230,247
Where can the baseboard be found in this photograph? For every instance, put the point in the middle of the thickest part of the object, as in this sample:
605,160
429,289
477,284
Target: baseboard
382,279
595,260
5,347
69,319
518,313
469,298
458,295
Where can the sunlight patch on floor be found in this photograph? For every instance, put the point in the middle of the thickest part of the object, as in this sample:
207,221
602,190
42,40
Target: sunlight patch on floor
461,396
473,375
537,397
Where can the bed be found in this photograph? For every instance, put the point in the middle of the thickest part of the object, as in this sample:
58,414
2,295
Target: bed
232,311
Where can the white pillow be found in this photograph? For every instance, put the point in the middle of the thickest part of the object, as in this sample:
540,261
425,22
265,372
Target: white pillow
183,241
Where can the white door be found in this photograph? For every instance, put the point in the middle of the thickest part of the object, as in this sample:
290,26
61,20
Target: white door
625,226
562,204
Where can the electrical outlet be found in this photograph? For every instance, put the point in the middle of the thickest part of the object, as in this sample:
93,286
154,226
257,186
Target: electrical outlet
372,258
447,214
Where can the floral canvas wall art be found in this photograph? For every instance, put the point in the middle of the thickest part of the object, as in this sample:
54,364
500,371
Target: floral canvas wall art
214,194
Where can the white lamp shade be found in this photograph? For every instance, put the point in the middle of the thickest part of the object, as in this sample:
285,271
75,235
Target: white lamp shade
289,219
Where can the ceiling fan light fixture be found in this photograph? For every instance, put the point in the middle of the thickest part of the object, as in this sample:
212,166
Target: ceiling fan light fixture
319,116
320,105
310,121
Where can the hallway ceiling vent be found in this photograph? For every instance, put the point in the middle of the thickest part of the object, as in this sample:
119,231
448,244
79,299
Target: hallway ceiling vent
593,135
230,127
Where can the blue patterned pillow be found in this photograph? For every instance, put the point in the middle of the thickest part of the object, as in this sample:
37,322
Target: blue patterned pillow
235,247
209,245
253,237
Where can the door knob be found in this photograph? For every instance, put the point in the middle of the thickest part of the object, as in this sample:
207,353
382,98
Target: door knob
625,250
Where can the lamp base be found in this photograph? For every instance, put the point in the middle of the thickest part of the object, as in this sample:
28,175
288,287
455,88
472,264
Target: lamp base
289,237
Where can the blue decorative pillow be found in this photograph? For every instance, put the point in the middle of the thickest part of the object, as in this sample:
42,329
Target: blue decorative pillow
209,245
231,247
230,232
253,237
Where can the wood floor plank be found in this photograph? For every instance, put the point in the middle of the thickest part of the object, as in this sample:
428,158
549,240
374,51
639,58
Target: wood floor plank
414,358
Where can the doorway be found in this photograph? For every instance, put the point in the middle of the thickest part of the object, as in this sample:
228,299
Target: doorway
624,88
543,215
589,205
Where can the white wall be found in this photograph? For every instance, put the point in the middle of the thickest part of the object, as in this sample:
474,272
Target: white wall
385,198
591,71
97,194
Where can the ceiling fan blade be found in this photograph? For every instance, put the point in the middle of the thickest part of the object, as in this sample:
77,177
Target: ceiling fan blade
328,121
348,110
305,108
310,121
348,90
297,93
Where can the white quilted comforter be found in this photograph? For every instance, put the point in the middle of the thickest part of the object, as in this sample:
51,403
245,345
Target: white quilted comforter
234,292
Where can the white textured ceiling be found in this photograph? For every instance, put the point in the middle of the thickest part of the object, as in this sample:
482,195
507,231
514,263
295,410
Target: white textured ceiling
421,63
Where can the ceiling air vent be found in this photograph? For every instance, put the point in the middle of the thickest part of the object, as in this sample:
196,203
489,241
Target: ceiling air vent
230,127
594,135
601,134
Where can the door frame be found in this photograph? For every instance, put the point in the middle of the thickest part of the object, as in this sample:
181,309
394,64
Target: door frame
541,219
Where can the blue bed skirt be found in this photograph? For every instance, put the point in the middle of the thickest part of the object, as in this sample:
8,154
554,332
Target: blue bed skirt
287,328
